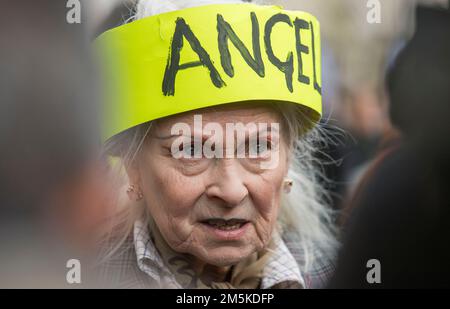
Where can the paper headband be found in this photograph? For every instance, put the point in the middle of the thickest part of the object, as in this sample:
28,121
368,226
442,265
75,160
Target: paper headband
206,56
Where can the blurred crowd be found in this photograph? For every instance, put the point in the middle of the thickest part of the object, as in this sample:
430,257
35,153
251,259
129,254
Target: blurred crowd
386,98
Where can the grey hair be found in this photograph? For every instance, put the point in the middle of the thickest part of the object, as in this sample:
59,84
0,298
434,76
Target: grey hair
304,215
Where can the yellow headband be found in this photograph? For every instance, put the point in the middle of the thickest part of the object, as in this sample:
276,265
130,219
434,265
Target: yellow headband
206,56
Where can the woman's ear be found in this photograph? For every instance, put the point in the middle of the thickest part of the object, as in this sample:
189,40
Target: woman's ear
132,171
134,190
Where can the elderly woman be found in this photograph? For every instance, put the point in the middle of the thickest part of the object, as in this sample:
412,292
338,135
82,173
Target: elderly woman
213,126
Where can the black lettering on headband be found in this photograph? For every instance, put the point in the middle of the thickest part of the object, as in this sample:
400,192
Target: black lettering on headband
316,85
182,30
226,33
287,67
301,49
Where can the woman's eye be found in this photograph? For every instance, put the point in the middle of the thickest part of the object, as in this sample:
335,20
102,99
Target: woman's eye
258,148
191,151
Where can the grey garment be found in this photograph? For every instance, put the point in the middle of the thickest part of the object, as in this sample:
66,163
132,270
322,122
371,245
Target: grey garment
137,264
321,267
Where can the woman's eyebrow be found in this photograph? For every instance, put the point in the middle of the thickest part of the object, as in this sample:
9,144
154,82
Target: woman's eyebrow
261,130
265,129
192,136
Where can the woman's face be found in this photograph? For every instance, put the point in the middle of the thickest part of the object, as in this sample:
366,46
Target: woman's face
219,210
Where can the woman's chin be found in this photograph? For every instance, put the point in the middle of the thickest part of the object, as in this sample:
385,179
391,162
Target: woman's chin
226,255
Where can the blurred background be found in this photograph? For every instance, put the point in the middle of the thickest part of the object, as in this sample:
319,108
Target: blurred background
53,193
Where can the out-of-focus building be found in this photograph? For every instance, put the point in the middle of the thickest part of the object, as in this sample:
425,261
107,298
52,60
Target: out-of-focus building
361,48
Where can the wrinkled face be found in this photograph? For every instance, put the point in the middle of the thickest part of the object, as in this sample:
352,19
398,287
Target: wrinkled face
219,210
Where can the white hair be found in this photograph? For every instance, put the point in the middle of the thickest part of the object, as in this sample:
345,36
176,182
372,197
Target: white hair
147,8
304,215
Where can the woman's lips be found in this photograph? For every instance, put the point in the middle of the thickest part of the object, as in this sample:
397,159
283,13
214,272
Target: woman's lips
226,229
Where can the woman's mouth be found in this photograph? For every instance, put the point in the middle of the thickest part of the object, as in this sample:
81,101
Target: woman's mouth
226,229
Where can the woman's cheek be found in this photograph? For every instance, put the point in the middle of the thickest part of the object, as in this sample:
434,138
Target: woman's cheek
179,192
265,193
170,198
178,233
263,233
266,199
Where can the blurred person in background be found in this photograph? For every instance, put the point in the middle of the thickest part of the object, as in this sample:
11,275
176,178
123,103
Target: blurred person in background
52,188
358,121
400,211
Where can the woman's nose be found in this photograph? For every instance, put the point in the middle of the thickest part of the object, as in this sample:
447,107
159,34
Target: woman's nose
227,183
